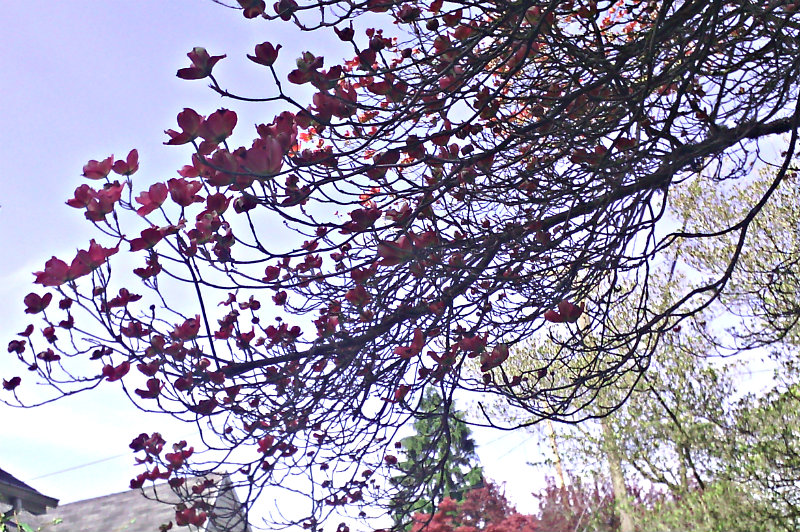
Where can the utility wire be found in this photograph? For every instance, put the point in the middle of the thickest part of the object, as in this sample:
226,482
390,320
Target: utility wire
73,468
87,464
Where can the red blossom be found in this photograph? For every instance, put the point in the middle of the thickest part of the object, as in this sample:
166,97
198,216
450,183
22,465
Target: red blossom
153,389
266,54
149,369
217,203
98,169
283,128
155,474
328,105
360,275
408,13
243,339
190,170
245,203
399,393
345,34
394,253
11,383
202,64
567,312
89,260
16,346
218,377
285,9
151,199
148,238
49,334
184,192
150,444
129,165
218,126
265,444
307,68
309,263
498,355
265,158
49,355
138,482
112,373
134,329
35,303
152,268
553,316
570,311
103,202
358,296
473,344
361,220
204,407
425,239
189,122
178,458
189,516
417,343
55,273
252,8
83,195
187,330
184,383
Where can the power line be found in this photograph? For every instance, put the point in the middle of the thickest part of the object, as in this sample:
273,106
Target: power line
73,468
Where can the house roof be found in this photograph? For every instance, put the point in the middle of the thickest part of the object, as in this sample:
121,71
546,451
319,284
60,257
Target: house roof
140,511
19,495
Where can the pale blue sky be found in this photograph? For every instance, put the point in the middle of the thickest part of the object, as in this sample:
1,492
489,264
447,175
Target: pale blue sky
82,80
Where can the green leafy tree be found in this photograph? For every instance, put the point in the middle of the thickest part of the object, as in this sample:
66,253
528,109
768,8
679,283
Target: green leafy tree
761,437
723,456
440,460
683,432
761,289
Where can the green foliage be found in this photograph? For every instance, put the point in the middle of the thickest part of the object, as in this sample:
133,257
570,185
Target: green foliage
11,523
440,457
766,437
762,289
718,459
722,506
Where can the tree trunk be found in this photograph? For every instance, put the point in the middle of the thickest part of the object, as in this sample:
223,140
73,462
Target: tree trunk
623,505
551,434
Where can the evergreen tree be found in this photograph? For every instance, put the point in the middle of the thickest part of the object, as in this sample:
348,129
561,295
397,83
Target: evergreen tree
440,460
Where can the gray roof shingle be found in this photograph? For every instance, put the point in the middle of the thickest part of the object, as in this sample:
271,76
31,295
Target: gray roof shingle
131,511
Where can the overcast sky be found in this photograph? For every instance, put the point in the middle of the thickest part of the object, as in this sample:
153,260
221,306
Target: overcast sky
82,80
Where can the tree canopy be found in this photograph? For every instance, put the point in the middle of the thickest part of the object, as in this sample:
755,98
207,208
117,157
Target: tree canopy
709,431
471,174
